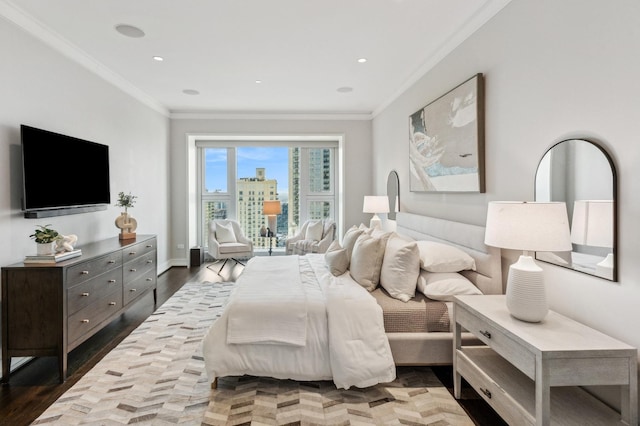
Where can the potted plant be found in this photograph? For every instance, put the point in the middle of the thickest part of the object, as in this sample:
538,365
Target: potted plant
126,200
45,239
126,223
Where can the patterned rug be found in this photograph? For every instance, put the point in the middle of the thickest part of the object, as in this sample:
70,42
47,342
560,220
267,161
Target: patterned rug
155,376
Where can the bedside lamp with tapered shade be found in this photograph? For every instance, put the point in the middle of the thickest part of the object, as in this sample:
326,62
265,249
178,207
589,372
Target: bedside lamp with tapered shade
375,204
530,227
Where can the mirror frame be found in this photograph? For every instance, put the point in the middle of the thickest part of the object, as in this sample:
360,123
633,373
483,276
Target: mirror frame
614,195
393,186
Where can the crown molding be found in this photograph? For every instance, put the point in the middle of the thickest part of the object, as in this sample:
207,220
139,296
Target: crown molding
34,27
216,115
481,17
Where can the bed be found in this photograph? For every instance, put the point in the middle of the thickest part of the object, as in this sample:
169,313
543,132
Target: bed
289,317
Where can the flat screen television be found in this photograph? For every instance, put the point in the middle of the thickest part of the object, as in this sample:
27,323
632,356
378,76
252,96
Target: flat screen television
62,174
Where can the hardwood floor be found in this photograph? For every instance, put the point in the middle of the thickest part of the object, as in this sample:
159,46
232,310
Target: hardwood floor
35,386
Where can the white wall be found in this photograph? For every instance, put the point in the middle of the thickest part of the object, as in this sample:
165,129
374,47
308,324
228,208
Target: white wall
357,155
42,88
553,70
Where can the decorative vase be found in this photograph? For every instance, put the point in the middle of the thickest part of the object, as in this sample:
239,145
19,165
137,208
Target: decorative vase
43,249
127,225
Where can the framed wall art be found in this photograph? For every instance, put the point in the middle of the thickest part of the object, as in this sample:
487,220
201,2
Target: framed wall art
446,141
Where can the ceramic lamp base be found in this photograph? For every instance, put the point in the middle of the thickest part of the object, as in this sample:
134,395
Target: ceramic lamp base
526,294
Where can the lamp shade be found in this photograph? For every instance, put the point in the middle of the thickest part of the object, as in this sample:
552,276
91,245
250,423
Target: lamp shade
528,226
270,208
592,223
375,204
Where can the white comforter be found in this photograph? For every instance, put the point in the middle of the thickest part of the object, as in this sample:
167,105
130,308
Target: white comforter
342,339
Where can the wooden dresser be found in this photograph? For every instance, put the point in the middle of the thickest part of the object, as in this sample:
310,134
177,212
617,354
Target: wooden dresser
50,309
531,373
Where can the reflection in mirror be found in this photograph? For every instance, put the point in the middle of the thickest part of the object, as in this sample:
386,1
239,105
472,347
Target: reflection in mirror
581,173
393,192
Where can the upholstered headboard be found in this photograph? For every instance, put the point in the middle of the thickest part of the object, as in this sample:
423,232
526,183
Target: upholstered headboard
470,238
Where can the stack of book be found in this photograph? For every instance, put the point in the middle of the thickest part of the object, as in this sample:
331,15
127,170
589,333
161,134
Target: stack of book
52,258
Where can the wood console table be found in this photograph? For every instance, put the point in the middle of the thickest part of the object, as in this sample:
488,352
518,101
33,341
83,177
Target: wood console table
530,373
50,309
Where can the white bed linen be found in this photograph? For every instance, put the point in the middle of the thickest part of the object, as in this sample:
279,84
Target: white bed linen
264,302
345,339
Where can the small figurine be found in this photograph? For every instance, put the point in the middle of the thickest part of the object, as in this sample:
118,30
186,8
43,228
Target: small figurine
66,243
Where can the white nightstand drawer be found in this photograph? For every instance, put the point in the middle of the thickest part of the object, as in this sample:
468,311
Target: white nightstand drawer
501,401
491,336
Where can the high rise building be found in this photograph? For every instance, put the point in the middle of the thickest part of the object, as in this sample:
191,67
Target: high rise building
252,192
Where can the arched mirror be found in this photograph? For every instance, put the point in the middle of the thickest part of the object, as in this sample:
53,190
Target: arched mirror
393,192
582,174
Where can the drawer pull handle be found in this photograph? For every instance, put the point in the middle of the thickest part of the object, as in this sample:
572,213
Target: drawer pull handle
132,253
132,270
149,261
85,272
112,303
149,245
149,279
112,261
133,289
485,334
85,294
112,281
85,321
486,392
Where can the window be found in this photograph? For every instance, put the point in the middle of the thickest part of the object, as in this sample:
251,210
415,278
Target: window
236,178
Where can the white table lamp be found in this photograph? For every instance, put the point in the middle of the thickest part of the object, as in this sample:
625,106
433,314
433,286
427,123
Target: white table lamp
375,204
527,226
592,225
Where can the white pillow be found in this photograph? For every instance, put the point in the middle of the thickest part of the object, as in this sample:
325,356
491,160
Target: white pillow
400,268
225,234
337,259
444,285
314,231
439,257
366,260
350,238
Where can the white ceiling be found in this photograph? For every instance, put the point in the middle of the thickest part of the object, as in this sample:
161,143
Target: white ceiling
303,51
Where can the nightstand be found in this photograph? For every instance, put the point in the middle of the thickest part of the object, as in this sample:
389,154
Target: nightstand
530,373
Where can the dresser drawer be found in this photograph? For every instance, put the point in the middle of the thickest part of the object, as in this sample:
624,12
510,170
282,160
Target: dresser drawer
144,282
89,317
87,270
87,292
136,268
140,249
491,336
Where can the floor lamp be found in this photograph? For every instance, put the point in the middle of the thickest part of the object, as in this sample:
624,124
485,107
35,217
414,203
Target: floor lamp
530,227
271,209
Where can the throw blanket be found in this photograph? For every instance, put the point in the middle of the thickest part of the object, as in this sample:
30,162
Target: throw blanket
345,337
256,313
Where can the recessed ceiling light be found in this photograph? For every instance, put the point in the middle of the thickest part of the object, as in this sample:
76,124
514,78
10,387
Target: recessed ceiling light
345,89
158,58
129,30
258,81
362,60
190,92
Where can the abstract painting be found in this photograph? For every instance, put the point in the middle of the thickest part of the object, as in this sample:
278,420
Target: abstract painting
446,141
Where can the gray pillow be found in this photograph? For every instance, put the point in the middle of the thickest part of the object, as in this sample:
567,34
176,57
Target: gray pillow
366,260
337,259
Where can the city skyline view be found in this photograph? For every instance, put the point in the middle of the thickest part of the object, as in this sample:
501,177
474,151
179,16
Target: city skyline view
275,161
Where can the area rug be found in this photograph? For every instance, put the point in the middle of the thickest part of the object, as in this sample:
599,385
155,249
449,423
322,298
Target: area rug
156,376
